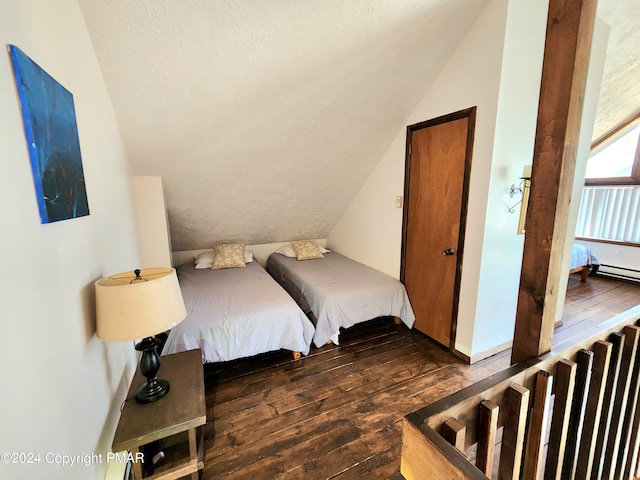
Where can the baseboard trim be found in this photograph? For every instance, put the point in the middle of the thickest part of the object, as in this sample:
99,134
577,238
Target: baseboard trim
461,355
490,352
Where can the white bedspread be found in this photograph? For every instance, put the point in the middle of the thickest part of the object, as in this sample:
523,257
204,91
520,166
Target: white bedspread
235,313
340,292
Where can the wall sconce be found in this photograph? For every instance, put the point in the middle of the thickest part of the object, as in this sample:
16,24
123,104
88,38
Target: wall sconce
522,189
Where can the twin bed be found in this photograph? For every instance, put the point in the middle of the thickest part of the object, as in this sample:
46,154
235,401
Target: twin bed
336,292
237,312
240,312
583,261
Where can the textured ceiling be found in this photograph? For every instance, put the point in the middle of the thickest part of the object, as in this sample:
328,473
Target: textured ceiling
620,91
264,117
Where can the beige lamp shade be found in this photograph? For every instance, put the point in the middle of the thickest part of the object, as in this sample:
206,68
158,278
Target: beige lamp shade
130,307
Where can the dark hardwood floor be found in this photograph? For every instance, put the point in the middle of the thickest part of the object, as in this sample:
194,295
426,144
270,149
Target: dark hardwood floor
337,413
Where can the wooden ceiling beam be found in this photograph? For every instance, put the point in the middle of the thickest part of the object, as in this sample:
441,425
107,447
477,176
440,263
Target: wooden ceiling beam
564,73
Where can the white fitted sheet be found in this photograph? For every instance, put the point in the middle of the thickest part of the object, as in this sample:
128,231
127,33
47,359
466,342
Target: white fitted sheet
237,312
340,292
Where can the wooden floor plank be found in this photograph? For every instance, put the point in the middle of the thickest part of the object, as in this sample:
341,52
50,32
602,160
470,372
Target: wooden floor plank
368,399
337,413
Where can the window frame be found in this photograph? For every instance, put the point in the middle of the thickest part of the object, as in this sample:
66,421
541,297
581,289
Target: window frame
608,138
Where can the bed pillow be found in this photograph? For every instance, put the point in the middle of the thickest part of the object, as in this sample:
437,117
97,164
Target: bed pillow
306,250
205,259
228,255
287,250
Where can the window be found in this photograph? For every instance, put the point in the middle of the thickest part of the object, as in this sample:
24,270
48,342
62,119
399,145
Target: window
615,159
610,205
610,213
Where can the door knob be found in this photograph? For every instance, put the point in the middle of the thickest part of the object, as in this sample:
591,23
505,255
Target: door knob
448,251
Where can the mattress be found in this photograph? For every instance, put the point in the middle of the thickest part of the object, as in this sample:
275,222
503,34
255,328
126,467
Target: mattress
237,312
337,292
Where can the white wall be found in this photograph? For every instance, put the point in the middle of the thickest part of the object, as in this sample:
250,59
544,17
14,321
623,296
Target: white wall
370,229
61,386
513,148
152,222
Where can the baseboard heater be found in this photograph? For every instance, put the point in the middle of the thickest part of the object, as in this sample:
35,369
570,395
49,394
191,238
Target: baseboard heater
621,273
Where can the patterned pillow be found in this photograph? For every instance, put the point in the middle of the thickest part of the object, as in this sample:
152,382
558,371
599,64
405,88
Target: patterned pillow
228,255
306,250
205,259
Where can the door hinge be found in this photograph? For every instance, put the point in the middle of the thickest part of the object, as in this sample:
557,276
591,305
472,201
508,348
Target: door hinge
410,149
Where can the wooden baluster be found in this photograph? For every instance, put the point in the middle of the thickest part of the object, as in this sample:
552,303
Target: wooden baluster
565,383
631,466
514,414
537,426
621,397
583,378
628,438
454,432
617,341
601,360
487,428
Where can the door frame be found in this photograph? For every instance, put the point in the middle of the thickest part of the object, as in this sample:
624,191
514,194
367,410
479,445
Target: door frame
470,114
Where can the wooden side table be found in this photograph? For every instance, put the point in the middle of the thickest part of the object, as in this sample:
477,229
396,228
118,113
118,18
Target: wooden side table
173,420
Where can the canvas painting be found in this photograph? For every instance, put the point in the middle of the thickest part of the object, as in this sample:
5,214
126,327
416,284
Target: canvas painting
50,126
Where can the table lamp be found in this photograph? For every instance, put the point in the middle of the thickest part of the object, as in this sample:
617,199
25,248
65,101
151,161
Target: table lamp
140,304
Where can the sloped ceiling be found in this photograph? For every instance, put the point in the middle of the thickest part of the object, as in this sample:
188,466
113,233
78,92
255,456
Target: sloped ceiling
264,117
620,91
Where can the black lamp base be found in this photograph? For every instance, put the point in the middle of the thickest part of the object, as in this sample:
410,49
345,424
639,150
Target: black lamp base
150,392
154,389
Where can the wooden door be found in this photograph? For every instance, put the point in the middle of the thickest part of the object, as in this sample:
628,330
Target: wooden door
436,184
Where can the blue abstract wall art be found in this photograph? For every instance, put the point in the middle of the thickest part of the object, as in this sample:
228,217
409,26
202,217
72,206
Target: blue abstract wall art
50,126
